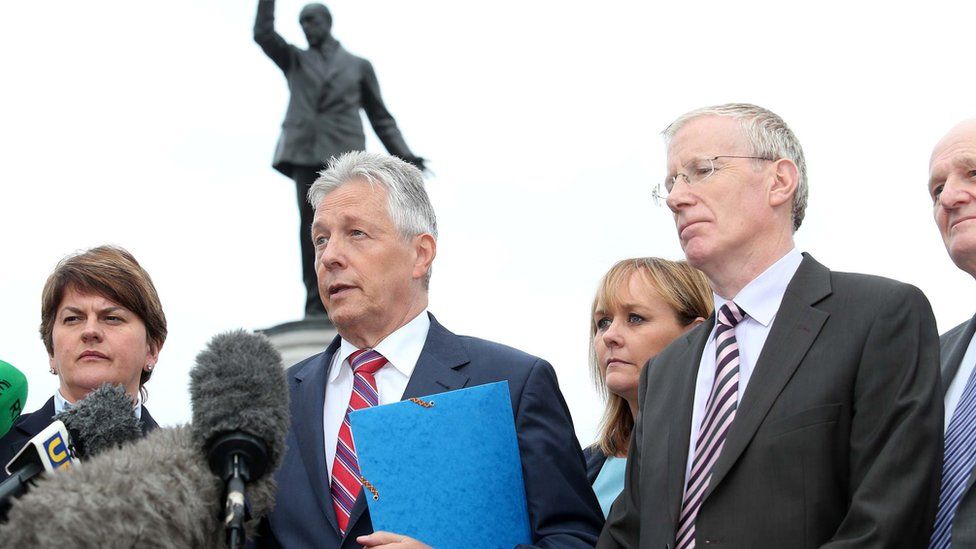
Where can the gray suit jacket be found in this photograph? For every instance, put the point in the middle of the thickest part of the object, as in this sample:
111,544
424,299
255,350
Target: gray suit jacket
954,344
328,88
836,441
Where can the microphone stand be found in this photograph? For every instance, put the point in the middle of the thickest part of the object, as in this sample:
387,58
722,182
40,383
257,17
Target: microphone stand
238,458
234,507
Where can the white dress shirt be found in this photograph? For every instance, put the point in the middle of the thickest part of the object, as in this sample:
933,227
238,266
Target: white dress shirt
760,300
954,394
401,348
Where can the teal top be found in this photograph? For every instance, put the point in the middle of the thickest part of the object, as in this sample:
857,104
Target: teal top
610,482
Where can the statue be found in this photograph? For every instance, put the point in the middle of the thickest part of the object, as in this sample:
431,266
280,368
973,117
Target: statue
328,87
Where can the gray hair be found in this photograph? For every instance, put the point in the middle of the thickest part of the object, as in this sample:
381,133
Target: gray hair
407,201
769,137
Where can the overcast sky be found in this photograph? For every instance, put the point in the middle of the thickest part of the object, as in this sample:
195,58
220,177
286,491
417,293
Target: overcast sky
152,126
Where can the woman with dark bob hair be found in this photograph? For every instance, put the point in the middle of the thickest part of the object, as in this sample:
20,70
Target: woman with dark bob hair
641,306
101,322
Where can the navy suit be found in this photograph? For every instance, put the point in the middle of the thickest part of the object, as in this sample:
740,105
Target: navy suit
29,425
563,512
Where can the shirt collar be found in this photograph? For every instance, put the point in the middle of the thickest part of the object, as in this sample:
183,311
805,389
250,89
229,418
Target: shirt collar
760,299
402,348
61,404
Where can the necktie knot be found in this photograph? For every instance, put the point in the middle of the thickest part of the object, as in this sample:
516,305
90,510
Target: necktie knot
730,314
366,361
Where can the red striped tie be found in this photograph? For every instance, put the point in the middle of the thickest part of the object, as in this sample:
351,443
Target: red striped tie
719,413
345,468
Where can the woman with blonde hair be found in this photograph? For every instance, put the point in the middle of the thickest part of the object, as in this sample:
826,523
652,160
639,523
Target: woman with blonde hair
641,306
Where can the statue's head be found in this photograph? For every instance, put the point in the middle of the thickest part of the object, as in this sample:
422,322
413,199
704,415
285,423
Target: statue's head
316,22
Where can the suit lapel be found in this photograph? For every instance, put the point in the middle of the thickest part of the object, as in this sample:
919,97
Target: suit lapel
954,353
331,66
33,424
146,422
435,372
436,369
951,361
794,330
308,402
679,432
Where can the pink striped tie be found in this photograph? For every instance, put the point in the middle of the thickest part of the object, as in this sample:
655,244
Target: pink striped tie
719,413
345,468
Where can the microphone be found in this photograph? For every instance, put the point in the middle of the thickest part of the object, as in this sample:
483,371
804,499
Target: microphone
160,491
102,420
46,452
241,430
13,395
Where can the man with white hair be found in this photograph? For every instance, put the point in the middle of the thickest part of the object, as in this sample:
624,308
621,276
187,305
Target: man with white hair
805,412
952,186
375,239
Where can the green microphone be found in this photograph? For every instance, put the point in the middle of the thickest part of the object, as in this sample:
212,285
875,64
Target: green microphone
13,395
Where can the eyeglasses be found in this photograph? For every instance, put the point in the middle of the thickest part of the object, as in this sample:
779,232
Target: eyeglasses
695,172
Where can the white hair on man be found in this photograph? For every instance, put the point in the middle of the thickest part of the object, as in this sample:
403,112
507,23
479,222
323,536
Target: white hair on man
407,201
769,137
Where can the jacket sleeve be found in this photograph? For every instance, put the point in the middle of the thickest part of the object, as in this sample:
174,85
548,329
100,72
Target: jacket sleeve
563,511
896,431
379,117
280,51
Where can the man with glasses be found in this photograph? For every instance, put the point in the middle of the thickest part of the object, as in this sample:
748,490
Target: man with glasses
952,186
805,412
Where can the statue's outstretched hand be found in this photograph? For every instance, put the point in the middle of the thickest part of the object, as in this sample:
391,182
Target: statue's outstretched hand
418,161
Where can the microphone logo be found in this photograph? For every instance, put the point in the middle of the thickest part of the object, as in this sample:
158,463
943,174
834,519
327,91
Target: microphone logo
57,452
15,405
15,409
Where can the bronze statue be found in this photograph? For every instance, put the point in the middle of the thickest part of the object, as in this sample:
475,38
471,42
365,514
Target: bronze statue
328,86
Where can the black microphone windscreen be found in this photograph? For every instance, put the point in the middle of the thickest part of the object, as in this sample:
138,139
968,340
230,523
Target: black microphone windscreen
102,420
238,385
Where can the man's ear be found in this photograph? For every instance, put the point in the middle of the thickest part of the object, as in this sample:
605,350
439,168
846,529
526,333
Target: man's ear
425,248
786,178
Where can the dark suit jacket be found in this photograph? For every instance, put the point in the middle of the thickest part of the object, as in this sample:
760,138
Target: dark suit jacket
29,425
594,459
563,512
837,440
954,344
328,87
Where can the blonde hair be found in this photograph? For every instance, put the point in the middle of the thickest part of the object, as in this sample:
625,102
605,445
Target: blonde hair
684,288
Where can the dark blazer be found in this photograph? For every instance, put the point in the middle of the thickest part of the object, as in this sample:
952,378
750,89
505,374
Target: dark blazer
328,88
837,441
594,459
29,425
953,345
563,512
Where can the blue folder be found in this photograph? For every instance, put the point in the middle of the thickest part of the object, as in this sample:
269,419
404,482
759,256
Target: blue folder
445,469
